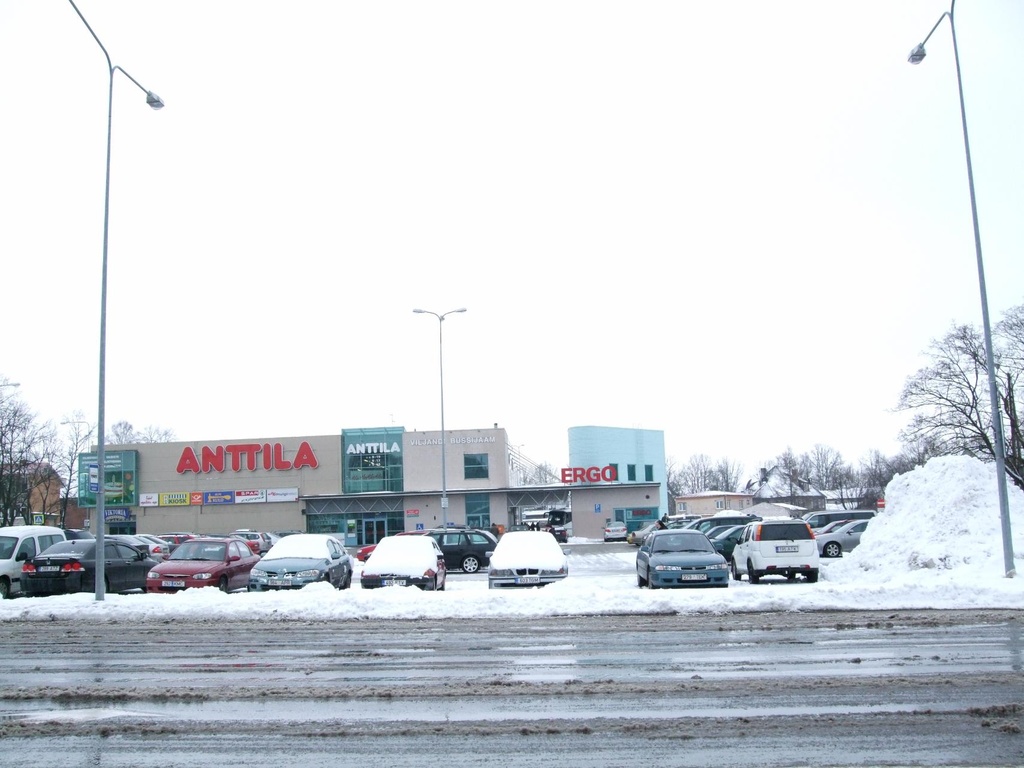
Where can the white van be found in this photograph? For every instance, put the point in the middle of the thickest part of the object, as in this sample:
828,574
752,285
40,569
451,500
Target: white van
19,543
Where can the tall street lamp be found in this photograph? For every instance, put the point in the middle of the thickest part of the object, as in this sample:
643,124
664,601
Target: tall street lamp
916,57
155,102
440,349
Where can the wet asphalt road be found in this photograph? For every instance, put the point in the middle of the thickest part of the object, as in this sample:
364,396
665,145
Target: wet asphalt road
850,689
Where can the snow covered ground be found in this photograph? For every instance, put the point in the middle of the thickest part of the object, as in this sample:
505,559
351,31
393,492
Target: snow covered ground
938,544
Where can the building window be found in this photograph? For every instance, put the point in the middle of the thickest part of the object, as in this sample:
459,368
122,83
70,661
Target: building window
475,465
680,506
719,504
631,473
649,473
478,510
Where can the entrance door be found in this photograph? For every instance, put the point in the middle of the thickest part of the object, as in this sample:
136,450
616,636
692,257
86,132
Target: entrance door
374,529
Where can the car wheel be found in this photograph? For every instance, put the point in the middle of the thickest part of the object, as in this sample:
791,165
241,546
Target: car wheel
640,580
348,581
470,564
811,576
832,549
752,574
736,572
5,589
223,584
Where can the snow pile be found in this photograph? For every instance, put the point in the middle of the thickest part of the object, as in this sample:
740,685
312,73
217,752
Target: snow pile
942,517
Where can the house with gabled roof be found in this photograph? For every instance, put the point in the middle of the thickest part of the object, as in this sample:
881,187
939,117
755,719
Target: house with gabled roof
777,486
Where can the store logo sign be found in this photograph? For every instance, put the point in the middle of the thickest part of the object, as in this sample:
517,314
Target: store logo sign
607,474
245,457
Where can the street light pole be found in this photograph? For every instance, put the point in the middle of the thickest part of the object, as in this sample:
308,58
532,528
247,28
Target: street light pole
440,349
155,102
998,448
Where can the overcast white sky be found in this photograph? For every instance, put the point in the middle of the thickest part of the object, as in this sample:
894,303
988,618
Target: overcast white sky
737,222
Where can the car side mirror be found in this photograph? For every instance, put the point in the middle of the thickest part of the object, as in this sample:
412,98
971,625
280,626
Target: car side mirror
234,558
22,556
566,550
335,555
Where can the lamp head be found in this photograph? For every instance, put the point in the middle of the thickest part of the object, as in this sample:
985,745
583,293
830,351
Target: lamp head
917,55
154,101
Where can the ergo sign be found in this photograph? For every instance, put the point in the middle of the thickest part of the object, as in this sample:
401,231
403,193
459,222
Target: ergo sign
607,474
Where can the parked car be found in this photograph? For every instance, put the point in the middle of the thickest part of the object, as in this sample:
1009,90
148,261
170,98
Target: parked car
465,549
78,533
18,545
405,561
776,548
141,544
176,538
615,531
705,524
843,539
301,559
223,563
820,519
70,566
259,541
828,527
680,558
159,549
365,551
636,538
527,559
725,540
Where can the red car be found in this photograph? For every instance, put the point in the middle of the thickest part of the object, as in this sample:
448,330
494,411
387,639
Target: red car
204,562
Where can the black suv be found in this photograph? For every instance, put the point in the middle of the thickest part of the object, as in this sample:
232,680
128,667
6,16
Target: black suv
465,549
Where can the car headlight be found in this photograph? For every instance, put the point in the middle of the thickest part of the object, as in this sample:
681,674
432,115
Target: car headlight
499,572
202,576
311,573
719,567
256,573
152,575
668,567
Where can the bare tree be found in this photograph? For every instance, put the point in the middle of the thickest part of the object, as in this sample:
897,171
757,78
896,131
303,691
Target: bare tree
699,474
727,475
22,443
75,439
949,398
123,433
674,480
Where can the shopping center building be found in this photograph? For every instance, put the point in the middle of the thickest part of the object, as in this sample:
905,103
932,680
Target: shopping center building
371,483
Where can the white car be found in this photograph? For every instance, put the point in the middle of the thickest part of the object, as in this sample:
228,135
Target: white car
527,559
841,539
616,531
776,548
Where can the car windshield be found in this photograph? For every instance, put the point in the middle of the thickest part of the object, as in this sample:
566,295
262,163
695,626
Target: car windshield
682,543
199,550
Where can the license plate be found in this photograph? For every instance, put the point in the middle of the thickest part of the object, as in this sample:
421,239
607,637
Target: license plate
528,580
48,568
393,582
171,584
787,548
694,577
275,581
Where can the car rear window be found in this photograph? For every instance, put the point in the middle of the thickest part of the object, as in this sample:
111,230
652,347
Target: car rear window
785,532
